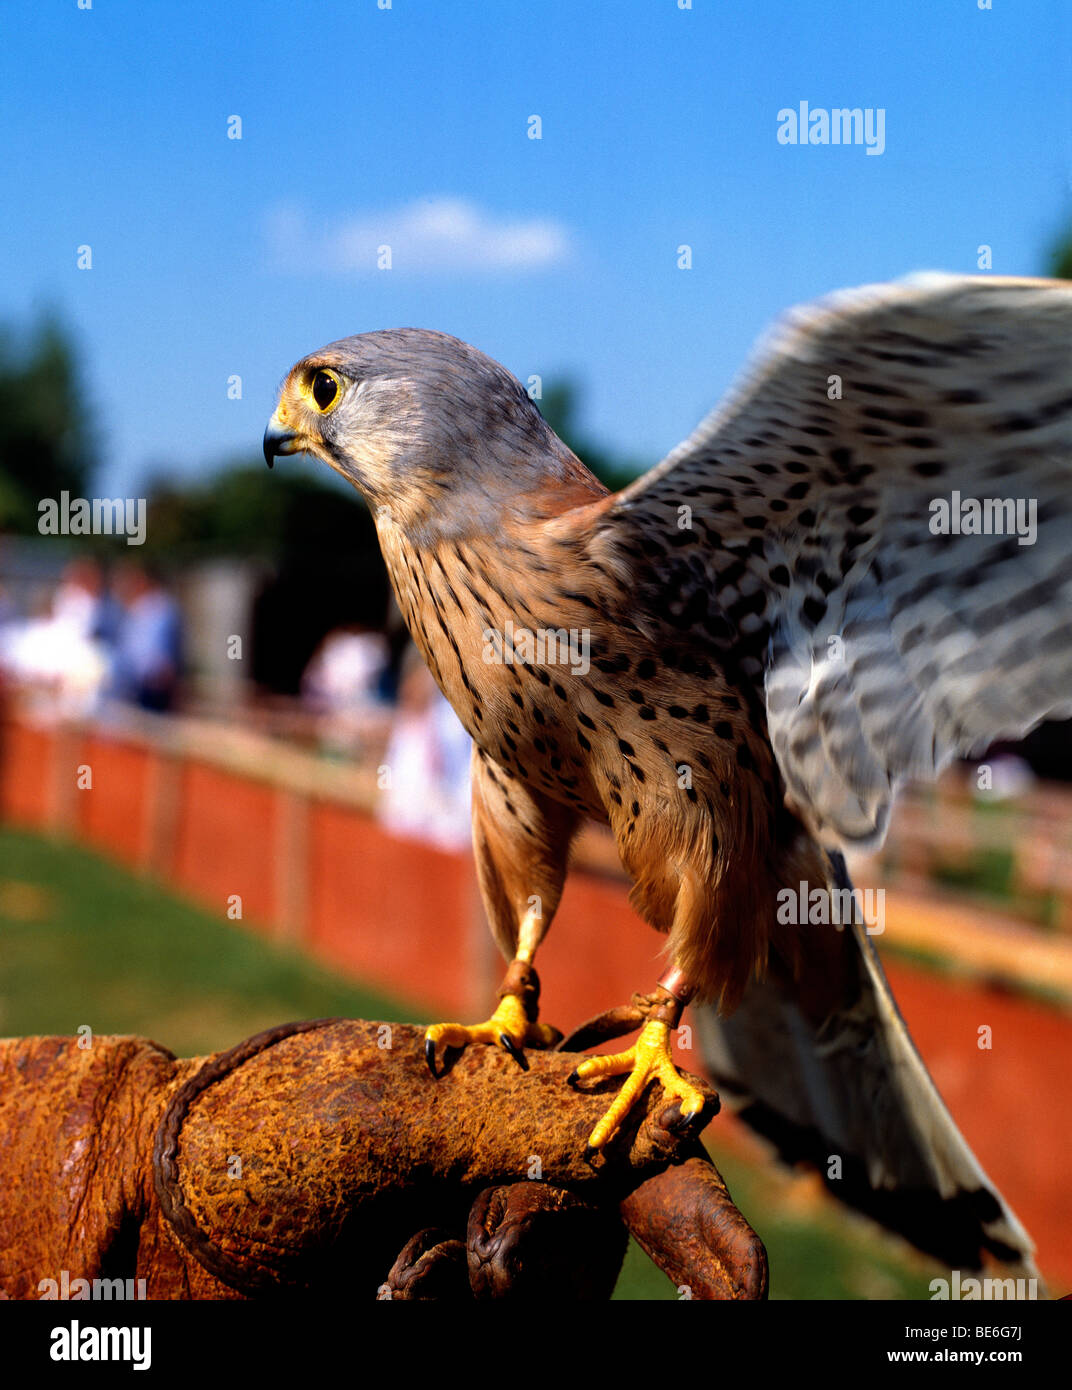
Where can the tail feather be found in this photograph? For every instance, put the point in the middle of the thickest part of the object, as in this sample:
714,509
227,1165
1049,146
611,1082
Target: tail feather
853,1086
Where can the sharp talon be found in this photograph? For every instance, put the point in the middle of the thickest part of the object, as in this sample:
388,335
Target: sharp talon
514,1051
429,1056
680,1123
649,1060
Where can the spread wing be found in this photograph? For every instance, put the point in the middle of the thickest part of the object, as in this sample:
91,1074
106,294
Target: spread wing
810,526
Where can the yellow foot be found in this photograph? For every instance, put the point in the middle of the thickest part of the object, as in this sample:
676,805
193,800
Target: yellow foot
508,1028
649,1059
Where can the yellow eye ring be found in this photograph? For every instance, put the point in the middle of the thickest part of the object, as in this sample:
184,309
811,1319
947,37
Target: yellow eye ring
325,390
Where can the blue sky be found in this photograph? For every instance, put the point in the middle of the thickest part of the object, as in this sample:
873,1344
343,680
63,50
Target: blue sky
214,257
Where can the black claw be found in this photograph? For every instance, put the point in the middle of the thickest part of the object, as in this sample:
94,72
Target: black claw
429,1056
514,1051
681,1123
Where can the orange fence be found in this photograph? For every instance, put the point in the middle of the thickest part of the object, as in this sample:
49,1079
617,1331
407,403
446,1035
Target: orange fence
218,814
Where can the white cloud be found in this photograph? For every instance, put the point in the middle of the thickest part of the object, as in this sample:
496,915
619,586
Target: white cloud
428,236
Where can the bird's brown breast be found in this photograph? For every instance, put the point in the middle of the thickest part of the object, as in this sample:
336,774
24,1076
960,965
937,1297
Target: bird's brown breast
613,712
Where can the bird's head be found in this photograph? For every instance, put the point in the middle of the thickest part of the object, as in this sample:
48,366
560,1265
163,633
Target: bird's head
419,422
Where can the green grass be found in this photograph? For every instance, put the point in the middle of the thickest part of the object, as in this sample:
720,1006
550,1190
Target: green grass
84,942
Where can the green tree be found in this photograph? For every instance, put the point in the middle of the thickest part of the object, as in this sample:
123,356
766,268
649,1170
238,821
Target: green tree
46,434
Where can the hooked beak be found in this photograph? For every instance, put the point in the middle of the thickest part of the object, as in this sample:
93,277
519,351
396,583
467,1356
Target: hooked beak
279,440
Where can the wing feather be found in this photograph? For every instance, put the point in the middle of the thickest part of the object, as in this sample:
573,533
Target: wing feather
882,646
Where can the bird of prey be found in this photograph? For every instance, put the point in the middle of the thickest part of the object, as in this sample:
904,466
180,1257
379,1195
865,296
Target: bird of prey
854,570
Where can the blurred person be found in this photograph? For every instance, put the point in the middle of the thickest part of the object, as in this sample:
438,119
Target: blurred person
147,663
62,652
83,605
10,627
344,684
425,778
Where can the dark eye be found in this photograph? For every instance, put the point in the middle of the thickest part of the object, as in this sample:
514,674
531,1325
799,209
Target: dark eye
325,389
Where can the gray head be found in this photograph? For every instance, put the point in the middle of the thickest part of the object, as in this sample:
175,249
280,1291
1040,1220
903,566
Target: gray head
419,422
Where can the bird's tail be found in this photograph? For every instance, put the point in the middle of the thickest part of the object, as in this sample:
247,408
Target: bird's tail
850,1086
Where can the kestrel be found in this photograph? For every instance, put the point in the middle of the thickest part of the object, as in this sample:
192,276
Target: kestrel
856,569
